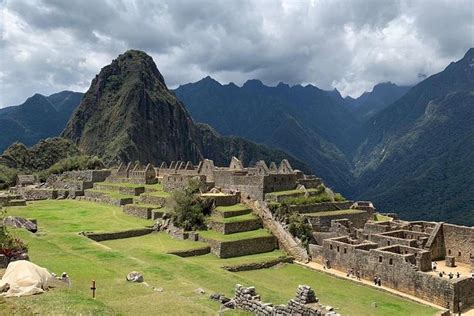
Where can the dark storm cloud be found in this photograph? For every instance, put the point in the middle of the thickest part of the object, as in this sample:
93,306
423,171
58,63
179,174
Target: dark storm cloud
49,45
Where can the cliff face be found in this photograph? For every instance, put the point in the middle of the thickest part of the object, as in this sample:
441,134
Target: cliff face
129,114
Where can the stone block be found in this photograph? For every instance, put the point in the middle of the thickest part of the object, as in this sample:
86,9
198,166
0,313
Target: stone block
450,261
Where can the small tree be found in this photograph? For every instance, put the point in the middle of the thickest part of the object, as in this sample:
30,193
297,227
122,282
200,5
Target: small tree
189,209
10,246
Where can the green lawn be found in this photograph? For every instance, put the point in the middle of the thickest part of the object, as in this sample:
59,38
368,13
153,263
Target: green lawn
158,193
153,243
59,248
382,218
235,207
211,234
240,218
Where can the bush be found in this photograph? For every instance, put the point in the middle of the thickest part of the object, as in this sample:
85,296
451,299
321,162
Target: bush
82,162
10,246
189,209
300,228
7,176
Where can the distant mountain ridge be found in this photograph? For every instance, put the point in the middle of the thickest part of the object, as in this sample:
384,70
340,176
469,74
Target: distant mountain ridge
417,157
304,121
39,117
372,102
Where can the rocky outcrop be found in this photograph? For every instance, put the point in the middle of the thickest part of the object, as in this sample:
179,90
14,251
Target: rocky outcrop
20,222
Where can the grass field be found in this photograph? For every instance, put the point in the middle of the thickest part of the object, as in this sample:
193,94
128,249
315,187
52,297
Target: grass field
59,248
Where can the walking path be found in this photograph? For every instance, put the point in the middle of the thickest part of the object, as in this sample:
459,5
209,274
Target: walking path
340,274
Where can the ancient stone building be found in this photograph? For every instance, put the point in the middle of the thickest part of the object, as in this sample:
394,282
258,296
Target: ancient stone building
401,254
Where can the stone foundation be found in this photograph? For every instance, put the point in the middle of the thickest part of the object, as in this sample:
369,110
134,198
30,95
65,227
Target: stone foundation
304,303
138,211
124,190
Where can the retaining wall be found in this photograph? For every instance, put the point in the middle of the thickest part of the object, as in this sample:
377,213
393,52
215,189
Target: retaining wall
236,227
258,265
118,235
243,247
192,252
321,207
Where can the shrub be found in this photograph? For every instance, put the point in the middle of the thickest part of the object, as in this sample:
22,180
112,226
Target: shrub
10,246
82,162
297,224
188,208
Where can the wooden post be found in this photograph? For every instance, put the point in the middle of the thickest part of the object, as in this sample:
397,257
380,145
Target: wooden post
93,288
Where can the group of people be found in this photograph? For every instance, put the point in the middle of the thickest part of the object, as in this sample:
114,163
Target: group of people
351,274
451,275
377,280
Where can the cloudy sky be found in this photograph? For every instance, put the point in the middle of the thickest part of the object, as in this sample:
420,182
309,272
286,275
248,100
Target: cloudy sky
52,45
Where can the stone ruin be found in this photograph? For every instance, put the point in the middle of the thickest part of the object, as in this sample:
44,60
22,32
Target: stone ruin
305,303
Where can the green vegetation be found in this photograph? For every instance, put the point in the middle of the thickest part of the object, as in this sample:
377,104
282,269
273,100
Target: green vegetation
234,219
319,198
210,234
160,242
49,156
188,208
382,218
58,247
81,162
120,185
235,207
298,225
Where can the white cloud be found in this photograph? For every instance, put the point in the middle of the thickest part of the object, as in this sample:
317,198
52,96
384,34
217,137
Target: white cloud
51,45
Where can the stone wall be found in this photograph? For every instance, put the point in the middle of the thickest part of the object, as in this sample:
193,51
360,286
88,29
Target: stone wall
305,303
459,242
192,252
118,235
152,199
236,227
104,198
321,207
248,186
222,199
243,247
464,292
138,211
124,190
33,194
279,182
258,265
323,222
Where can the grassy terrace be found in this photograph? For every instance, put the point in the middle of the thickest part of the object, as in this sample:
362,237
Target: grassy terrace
58,247
329,213
236,207
210,234
240,218
112,194
291,192
382,218
157,193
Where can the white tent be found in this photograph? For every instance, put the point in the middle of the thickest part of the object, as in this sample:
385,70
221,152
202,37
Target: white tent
24,278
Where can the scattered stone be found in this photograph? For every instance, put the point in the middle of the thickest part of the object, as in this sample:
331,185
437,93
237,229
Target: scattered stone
20,222
135,276
200,291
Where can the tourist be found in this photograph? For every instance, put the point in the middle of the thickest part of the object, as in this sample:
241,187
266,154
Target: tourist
441,274
379,281
451,275
358,275
375,280
433,265
458,275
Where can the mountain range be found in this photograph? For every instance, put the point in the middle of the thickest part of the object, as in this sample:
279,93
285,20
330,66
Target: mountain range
128,114
37,118
409,149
